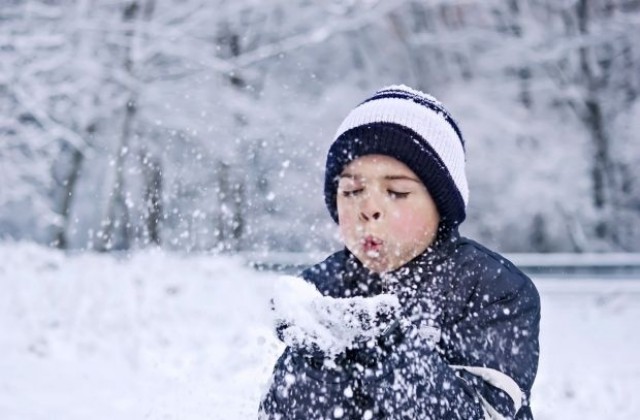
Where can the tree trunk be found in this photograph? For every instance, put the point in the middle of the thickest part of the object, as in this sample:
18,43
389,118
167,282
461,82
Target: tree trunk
602,175
67,196
231,199
153,210
115,225
116,216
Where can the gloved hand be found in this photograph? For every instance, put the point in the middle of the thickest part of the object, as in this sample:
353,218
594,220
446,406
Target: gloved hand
306,319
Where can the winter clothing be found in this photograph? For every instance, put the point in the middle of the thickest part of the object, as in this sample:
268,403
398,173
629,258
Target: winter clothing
465,346
414,128
463,343
304,317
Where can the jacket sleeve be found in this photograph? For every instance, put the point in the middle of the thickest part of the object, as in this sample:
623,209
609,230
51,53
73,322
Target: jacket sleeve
426,386
485,362
302,388
492,343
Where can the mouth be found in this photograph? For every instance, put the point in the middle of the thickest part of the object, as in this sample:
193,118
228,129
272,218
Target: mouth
372,246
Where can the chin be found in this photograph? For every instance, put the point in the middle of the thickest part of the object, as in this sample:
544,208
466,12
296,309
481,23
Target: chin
376,265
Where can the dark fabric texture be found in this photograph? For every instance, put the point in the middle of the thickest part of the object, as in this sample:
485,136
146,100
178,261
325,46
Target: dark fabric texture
408,147
488,315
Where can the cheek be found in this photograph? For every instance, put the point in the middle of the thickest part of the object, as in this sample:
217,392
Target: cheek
411,223
403,221
345,212
346,221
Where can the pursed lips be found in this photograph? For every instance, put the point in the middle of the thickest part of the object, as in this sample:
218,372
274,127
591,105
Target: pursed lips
372,245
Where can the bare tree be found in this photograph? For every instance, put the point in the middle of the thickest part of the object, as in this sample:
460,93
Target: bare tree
116,228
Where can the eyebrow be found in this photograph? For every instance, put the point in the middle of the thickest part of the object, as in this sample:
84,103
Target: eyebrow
386,177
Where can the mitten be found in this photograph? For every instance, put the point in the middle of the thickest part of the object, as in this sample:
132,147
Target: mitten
305,318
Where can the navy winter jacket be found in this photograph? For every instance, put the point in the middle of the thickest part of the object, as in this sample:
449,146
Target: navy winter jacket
470,350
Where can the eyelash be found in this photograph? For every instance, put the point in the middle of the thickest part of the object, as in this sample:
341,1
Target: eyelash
352,193
396,194
392,194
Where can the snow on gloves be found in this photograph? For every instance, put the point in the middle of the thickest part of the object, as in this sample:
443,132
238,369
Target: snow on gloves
307,319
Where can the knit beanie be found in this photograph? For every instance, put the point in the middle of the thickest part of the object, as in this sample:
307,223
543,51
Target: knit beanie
414,128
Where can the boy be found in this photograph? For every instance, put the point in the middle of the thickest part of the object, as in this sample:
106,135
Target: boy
464,342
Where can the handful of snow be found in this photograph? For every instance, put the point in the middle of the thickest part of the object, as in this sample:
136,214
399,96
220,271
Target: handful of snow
306,318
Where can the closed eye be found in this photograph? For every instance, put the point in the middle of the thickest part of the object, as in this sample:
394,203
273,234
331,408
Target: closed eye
352,193
397,194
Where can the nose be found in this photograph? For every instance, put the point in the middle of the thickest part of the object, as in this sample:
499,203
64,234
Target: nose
370,209
371,216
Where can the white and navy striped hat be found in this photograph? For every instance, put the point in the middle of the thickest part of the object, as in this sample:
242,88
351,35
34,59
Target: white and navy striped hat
414,128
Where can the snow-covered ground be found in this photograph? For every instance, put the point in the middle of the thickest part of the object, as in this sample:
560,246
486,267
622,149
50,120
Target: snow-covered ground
163,336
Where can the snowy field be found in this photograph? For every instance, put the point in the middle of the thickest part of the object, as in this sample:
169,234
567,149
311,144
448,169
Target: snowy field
160,336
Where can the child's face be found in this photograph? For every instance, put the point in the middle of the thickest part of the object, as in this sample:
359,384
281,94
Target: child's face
386,215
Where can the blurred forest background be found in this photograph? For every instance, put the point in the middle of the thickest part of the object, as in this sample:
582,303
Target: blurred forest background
203,124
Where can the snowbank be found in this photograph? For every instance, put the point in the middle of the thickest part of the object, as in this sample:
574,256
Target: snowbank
163,336
157,336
